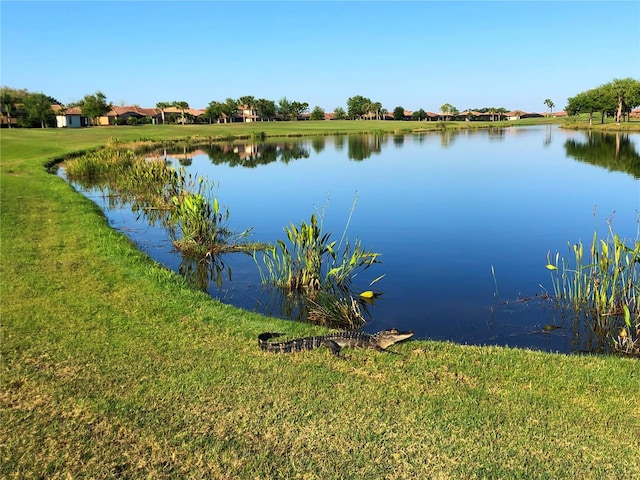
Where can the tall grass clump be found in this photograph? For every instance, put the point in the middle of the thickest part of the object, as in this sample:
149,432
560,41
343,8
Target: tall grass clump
200,223
181,203
100,163
321,271
602,283
311,262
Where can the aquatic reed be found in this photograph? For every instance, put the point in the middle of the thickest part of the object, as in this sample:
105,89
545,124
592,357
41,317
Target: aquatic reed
320,270
312,262
602,282
161,193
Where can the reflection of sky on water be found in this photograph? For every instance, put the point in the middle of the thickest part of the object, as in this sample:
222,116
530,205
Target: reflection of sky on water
442,210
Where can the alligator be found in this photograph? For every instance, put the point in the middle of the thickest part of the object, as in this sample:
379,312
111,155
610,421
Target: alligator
334,341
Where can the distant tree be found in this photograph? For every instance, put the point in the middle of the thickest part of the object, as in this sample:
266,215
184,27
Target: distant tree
614,98
94,106
383,113
339,113
247,100
375,108
213,111
298,109
38,108
580,103
317,113
285,108
448,110
549,105
8,101
398,113
357,106
183,107
162,106
626,93
229,109
266,108
419,115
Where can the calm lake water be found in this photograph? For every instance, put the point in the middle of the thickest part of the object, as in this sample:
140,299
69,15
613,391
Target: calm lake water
443,209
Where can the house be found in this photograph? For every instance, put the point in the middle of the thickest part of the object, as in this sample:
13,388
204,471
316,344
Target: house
514,114
531,115
389,115
248,113
10,119
70,117
119,115
468,115
190,114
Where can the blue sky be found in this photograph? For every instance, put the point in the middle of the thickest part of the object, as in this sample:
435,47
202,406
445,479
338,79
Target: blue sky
418,54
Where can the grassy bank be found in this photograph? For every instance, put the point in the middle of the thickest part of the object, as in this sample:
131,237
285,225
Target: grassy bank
113,366
581,122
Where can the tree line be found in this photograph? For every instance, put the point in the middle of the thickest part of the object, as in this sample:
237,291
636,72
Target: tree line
614,99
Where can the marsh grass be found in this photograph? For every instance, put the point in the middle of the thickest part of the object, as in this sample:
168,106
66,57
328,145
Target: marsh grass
335,311
180,202
320,270
602,284
200,224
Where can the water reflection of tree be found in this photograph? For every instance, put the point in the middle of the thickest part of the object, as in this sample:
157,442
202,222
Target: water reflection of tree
251,155
547,136
398,140
616,152
496,133
361,147
447,137
420,137
293,151
318,144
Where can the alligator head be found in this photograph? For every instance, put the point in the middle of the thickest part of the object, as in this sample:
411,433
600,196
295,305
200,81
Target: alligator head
386,338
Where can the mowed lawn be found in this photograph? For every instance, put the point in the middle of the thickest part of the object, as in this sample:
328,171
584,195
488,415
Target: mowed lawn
113,366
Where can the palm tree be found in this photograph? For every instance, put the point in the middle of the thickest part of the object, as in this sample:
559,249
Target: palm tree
161,106
376,107
8,104
549,104
247,102
447,110
229,108
182,105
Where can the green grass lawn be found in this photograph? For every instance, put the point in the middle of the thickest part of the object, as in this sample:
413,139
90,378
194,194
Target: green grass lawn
113,366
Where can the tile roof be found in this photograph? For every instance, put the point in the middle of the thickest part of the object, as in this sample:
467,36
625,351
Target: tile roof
122,110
